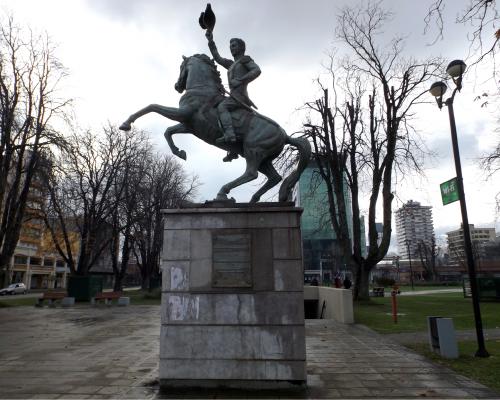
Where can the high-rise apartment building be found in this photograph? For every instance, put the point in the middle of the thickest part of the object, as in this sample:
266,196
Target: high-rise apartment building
414,227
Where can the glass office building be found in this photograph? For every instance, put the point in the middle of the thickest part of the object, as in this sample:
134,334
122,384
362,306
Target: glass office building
323,258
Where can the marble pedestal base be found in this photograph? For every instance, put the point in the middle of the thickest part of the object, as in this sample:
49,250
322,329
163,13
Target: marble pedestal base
232,301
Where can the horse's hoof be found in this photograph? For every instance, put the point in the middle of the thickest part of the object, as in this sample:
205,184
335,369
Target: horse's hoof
254,199
230,157
221,196
125,126
182,154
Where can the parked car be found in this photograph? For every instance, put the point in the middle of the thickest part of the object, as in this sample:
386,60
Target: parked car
15,288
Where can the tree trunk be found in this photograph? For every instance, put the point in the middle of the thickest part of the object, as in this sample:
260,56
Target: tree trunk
364,284
361,289
122,270
4,272
118,285
146,281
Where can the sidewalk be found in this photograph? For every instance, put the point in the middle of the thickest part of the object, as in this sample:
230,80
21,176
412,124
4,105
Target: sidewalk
111,352
432,291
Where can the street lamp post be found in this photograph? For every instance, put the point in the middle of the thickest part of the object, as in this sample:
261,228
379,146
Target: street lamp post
396,263
409,260
455,70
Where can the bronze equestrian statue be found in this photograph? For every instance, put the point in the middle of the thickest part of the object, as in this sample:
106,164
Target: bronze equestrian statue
228,122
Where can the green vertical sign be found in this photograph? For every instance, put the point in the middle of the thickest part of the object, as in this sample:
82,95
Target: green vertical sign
449,191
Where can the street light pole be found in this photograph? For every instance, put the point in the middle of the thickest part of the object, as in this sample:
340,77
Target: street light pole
397,266
409,260
455,70
481,352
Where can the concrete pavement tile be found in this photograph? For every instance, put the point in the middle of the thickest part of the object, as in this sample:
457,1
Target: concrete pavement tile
386,393
138,393
123,382
441,384
343,384
12,396
114,375
368,376
356,393
85,389
452,393
483,393
323,394
434,393
115,390
117,350
469,383
99,381
375,384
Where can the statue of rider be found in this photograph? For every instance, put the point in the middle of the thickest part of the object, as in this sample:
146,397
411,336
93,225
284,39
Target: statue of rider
240,73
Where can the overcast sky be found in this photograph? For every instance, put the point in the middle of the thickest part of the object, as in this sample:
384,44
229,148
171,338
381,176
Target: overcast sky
123,55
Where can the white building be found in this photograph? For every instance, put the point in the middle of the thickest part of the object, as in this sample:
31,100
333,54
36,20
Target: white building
414,227
456,245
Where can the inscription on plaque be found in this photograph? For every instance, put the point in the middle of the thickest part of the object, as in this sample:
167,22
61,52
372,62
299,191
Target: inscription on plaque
232,264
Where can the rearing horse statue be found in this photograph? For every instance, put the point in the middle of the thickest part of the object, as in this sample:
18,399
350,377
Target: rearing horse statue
260,139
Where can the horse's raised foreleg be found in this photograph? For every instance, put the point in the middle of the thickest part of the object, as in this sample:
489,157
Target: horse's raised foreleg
273,178
249,175
179,128
176,114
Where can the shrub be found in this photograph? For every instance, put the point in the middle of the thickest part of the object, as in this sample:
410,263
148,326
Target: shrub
153,294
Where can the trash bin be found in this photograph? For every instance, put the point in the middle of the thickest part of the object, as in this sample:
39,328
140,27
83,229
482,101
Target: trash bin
442,339
83,288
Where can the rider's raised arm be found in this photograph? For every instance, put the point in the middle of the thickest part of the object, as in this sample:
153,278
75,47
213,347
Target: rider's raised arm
225,62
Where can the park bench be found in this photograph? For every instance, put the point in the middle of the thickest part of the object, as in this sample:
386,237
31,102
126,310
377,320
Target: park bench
378,292
107,297
52,297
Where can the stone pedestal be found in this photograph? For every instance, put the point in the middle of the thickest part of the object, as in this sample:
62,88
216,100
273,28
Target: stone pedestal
232,301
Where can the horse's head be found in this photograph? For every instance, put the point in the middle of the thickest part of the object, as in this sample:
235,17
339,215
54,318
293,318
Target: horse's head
199,71
180,85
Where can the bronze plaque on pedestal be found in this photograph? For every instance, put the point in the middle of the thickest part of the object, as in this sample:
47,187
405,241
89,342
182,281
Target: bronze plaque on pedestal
231,258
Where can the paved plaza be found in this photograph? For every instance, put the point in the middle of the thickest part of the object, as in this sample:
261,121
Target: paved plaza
112,352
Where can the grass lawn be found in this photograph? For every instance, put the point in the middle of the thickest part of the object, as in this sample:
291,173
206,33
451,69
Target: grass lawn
413,310
142,297
14,301
483,370
417,288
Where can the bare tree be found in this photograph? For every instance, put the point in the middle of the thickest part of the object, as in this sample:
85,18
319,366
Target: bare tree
360,147
428,256
481,16
165,185
127,189
29,78
83,194
490,163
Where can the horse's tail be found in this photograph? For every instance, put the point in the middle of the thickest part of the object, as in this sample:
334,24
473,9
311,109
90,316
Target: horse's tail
304,148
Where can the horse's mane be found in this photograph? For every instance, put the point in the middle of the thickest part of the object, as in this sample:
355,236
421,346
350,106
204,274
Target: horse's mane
213,68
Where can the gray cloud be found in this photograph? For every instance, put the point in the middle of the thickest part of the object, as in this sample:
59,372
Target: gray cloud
287,38
470,137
